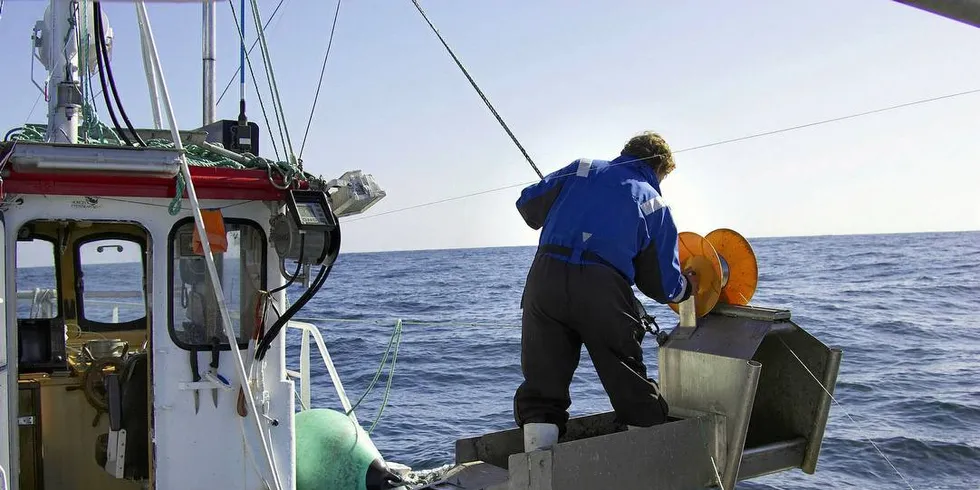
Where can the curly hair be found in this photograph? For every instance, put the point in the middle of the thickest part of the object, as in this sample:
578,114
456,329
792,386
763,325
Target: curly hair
652,149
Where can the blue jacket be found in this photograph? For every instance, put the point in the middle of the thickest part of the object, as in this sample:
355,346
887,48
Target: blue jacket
612,209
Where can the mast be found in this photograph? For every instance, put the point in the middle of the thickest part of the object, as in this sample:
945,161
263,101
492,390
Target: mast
63,88
151,83
208,59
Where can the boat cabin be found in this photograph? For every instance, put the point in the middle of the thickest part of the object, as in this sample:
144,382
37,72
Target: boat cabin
117,367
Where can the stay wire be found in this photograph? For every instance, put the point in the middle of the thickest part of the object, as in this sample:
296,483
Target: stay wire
841,407
688,149
478,91
280,118
832,120
273,85
256,41
319,84
255,83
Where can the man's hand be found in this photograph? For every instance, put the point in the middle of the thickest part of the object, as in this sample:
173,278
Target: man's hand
692,277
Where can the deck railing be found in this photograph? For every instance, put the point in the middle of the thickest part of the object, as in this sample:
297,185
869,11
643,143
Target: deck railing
308,330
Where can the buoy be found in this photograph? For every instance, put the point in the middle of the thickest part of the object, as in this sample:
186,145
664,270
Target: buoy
334,453
725,263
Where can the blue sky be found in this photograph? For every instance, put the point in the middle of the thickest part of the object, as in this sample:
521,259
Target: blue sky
576,79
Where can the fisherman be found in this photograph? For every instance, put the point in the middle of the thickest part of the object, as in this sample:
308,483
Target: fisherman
606,227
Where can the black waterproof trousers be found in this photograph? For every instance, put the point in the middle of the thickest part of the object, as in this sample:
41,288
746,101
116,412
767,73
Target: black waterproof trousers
567,305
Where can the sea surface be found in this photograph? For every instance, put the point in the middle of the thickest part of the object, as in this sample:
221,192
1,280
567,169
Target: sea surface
905,310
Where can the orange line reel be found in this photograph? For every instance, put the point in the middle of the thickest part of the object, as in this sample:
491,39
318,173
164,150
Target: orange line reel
726,266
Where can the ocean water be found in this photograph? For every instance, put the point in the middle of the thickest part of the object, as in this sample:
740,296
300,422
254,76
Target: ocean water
905,309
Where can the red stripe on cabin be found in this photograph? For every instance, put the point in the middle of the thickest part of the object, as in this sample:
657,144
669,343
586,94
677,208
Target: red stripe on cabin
209,182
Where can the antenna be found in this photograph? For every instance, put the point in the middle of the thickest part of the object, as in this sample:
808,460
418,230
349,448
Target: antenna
243,132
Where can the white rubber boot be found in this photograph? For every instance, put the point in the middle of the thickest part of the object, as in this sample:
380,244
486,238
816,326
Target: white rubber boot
539,436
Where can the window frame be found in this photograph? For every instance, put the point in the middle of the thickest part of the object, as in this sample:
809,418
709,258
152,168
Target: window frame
87,325
57,274
263,280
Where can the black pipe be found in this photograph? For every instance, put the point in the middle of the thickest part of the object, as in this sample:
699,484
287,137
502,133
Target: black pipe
105,88
273,332
100,41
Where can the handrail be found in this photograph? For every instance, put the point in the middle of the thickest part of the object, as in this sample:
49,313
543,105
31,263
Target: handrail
308,329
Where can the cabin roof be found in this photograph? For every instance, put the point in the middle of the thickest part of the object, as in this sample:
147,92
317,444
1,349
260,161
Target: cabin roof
209,182
32,167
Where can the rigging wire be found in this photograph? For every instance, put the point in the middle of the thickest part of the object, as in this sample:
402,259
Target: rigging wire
478,91
841,407
692,148
266,64
273,86
319,83
237,71
280,118
33,107
255,84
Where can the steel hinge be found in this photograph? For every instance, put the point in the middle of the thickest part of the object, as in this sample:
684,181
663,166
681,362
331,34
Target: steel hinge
25,420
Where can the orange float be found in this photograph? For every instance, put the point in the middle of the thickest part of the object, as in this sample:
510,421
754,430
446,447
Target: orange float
726,266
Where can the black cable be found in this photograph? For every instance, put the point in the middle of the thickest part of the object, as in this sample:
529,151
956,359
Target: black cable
319,83
105,87
333,250
100,40
6,137
477,88
299,266
273,332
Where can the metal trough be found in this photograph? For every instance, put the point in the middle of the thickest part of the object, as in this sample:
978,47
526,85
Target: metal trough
749,394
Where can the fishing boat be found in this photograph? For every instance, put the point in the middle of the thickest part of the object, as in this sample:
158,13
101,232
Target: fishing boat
170,372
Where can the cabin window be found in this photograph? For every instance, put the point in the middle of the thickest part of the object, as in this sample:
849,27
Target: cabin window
37,279
111,284
195,318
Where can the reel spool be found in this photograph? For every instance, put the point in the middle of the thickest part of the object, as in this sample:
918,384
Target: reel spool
725,263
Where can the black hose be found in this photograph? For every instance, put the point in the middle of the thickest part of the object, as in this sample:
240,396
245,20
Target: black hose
273,332
100,43
299,266
7,136
105,87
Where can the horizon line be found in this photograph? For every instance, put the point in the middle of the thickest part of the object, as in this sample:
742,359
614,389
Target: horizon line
761,237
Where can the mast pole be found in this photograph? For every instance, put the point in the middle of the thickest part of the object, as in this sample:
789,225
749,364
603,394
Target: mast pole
63,89
151,82
208,50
